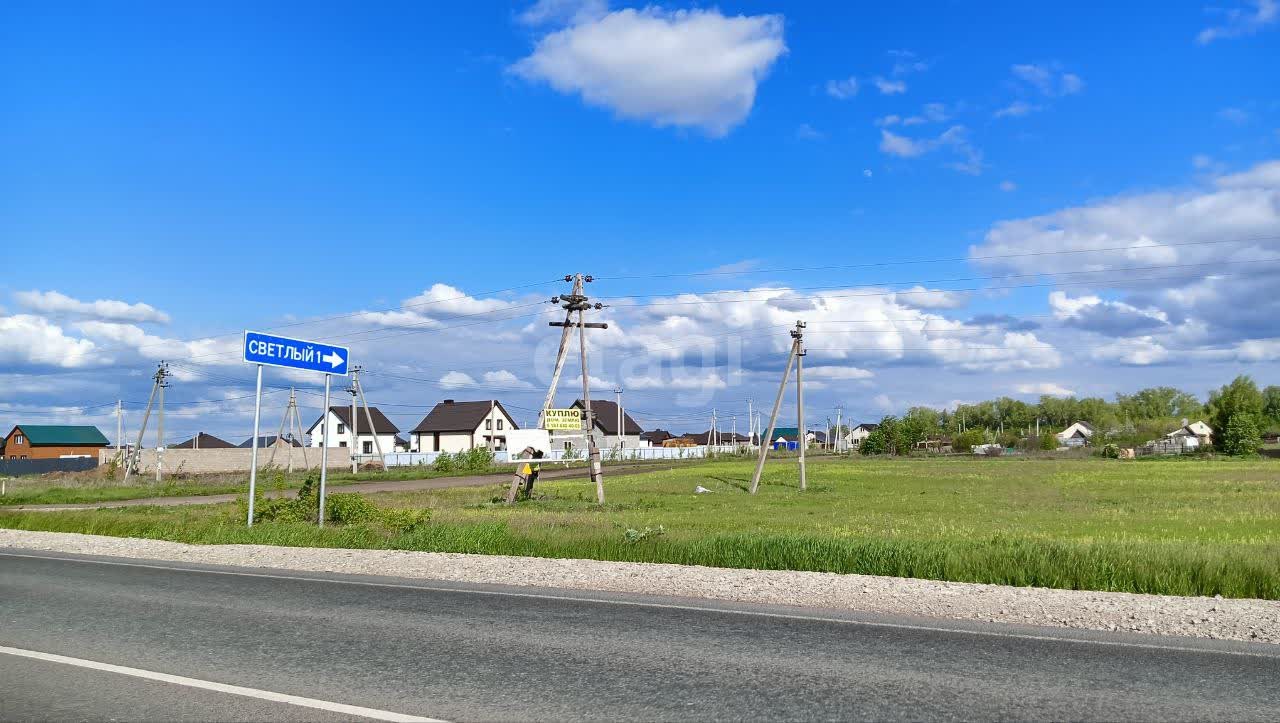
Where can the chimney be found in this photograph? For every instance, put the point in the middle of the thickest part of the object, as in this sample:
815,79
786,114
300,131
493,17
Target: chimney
448,401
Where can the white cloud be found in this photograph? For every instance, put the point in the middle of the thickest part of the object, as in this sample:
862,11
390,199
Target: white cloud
564,12
1008,186
1017,109
456,380
889,120
1235,116
889,87
1252,17
1197,267
705,381
843,89
1048,79
919,297
55,303
685,68
32,340
1045,388
906,63
504,378
431,307
807,132
955,138
838,373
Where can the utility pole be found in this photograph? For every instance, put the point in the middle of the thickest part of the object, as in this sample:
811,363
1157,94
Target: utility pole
578,302
733,431
119,431
163,373
797,337
291,419
617,402
839,429
804,436
751,421
352,421
493,427
368,416
136,457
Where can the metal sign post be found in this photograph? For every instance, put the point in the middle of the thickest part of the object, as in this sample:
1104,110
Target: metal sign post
279,351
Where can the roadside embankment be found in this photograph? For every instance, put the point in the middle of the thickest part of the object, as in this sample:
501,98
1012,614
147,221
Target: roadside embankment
1201,617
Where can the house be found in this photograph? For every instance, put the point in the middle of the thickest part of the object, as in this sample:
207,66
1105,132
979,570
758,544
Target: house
655,438
605,429
402,444
1198,431
339,420
1077,435
719,438
204,441
53,441
937,444
272,441
453,426
789,437
858,434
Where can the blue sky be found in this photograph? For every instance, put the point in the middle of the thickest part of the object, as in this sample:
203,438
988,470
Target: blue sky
239,165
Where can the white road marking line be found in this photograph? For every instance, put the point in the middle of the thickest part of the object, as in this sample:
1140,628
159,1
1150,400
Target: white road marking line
667,606
355,710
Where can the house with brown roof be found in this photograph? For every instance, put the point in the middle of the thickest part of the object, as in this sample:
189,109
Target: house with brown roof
53,441
203,441
358,437
453,426
605,429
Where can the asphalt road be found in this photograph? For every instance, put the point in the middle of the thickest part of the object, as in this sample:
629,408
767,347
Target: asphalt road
403,485
458,652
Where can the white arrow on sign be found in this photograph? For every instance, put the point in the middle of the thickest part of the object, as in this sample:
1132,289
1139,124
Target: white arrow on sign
333,358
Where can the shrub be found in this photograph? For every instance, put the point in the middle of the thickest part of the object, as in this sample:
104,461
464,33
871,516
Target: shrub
445,463
401,520
476,459
1048,442
349,508
1111,451
967,440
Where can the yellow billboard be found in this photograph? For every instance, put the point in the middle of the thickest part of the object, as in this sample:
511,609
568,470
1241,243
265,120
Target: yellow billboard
562,419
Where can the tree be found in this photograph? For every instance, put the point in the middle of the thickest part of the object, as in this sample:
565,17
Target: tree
1048,442
1241,436
1239,398
965,441
1158,403
1271,403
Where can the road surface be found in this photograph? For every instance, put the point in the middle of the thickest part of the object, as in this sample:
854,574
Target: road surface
449,651
404,485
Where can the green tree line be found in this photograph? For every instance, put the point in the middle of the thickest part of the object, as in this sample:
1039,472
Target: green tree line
1239,414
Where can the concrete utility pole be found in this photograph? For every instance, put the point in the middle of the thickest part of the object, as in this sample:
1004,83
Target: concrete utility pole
368,416
617,402
493,427
578,302
351,422
292,420
804,435
751,420
136,457
163,384
119,431
839,429
797,339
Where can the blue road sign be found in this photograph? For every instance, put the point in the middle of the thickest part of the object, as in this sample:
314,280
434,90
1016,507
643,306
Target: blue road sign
280,351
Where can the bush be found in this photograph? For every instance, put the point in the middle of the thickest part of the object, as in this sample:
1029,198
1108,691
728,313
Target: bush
400,520
1241,436
476,459
967,440
1111,451
445,463
1048,442
349,508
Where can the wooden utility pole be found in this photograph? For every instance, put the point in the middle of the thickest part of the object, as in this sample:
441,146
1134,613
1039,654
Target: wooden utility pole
796,352
135,458
578,302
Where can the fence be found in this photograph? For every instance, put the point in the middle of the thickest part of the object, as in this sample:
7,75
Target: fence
205,461
626,454
15,467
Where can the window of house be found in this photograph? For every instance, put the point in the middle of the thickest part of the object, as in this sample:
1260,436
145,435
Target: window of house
367,447
499,424
342,444
488,424
342,429
17,439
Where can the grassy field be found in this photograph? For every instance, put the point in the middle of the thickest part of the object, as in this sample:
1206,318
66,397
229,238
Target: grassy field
1198,527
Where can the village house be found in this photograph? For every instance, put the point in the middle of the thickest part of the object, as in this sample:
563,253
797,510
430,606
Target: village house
204,441
605,429
655,438
274,441
788,437
53,441
383,432
454,426
1077,435
859,434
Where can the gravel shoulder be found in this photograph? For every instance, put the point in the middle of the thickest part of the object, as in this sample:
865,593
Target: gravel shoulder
1199,617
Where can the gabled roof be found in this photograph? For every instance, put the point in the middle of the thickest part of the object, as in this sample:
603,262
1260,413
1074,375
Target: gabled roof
381,424
790,434
606,414
204,441
869,426
270,440
451,416
62,435
656,436
724,437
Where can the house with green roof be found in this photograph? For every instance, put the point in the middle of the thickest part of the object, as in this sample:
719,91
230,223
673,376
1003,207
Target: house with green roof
53,441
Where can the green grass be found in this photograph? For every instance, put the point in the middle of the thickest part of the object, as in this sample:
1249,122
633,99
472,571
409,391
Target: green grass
1183,527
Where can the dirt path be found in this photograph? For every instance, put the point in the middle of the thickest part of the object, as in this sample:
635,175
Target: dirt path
364,488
